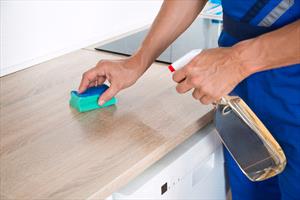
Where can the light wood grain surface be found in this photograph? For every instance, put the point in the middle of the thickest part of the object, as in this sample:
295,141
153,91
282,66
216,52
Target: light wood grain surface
50,151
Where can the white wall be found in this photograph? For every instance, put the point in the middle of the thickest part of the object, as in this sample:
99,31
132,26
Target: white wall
35,31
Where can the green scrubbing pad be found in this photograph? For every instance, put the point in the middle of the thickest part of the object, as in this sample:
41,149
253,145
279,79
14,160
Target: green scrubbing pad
88,100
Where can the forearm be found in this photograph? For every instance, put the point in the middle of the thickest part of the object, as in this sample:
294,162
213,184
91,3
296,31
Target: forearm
272,50
174,17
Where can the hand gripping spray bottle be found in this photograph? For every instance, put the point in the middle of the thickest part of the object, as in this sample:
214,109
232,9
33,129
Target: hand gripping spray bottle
249,142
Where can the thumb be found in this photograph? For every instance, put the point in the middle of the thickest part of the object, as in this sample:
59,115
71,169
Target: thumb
108,94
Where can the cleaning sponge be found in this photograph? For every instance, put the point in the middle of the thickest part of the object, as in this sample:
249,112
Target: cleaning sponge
88,100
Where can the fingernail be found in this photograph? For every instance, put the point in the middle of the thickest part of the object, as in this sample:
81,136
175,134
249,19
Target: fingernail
101,102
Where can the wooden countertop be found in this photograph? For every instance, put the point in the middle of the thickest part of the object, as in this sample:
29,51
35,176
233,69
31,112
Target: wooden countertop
50,151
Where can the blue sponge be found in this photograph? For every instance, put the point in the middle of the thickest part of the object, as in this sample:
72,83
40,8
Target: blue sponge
88,100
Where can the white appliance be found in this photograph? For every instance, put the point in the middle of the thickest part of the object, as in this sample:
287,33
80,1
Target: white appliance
193,170
202,34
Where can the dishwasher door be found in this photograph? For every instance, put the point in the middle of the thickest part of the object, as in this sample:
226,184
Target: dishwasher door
193,170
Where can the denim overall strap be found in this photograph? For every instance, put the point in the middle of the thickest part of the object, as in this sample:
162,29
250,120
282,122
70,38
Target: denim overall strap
254,10
241,30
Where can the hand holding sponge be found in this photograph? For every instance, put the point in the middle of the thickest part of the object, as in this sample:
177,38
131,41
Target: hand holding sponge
88,100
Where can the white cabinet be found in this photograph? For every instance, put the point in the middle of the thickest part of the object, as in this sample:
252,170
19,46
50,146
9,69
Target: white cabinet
194,170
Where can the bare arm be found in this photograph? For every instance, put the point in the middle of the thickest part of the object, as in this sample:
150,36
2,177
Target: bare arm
174,17
272,50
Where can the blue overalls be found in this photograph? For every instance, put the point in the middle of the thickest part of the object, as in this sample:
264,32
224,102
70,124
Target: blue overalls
274,95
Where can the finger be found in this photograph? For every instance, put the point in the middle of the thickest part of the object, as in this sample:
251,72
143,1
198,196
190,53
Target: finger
101,80
92,84
183,87
206,100
87,78
179,75
108,94
197,94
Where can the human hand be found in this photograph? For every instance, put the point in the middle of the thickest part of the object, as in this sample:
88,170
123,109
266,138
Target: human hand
119,73
212,74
